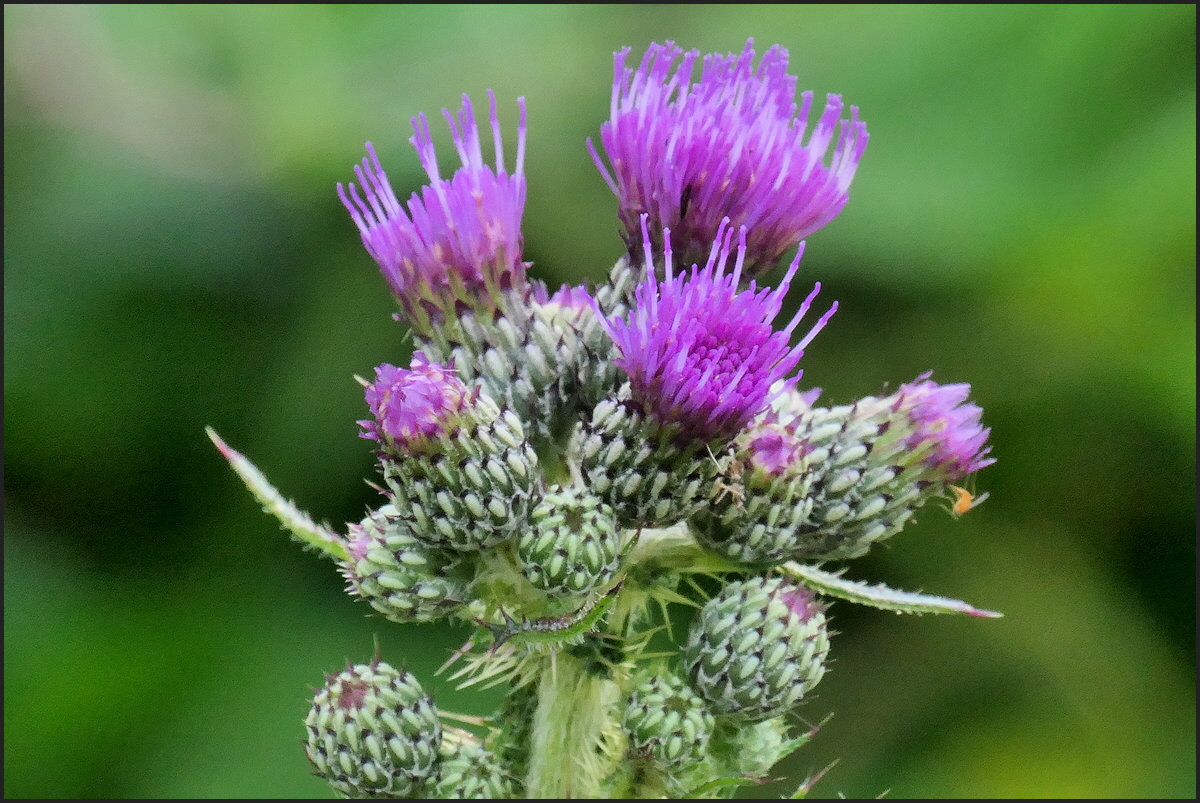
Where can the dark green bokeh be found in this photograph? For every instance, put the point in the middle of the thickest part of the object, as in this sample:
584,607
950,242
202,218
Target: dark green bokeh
176,257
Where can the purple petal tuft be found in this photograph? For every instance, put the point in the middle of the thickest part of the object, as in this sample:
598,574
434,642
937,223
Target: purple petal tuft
459,241
946,424
703,355
731,144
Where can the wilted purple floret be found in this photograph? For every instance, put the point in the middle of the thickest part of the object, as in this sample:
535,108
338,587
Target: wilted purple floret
946,423
459,241
411,405
702,355
731,144
774,448
800,601
573,297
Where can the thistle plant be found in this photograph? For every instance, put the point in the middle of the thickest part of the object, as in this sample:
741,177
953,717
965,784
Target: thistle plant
562,473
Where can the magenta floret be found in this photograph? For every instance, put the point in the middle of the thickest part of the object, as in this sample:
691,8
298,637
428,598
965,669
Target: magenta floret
702,354
458,243
947,425
730,144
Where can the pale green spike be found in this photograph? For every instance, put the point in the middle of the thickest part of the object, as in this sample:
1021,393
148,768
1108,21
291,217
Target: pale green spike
879,596
293,519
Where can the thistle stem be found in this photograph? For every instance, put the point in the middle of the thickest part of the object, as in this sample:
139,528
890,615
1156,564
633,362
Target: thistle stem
566,759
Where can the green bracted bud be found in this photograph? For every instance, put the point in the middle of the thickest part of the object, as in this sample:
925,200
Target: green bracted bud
373,732
863,482
401,577
667,722
635,465
470,772
484,347
569,356
812,484
572,544
756,648
545,360
750,750
870,465
757,506
862,485
470,489
492,353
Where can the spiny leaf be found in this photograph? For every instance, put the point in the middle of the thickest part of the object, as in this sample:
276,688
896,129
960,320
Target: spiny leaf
293,519
879,595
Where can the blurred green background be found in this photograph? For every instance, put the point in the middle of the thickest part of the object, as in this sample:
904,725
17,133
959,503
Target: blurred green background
176,256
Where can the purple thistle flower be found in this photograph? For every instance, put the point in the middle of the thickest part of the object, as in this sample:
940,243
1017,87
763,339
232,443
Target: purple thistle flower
413,405
729,145
458,245
702,355
772,440
946,425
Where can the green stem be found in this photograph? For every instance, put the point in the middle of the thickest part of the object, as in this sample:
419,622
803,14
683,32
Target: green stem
566,756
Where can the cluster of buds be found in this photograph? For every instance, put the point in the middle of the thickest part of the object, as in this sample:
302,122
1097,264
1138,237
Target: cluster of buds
559,468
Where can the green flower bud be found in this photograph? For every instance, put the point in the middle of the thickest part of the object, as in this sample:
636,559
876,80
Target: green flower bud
372,732
544,359
488,352
756,648
401,577
667,722
638,468
750,750
470,488
841,479
569,355
858,485
814,484
757,504
572,544
470,772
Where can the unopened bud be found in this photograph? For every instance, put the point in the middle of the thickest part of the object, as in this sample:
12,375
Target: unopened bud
756,648
373,732
400,576
470,772
667,722
572,543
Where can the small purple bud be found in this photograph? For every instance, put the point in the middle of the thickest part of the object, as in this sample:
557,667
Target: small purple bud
946,424
412,405
774,448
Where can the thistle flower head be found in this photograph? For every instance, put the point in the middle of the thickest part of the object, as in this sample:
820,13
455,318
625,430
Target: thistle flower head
411,405
946,424
731,144
373,732
458,244
702,354
757,647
